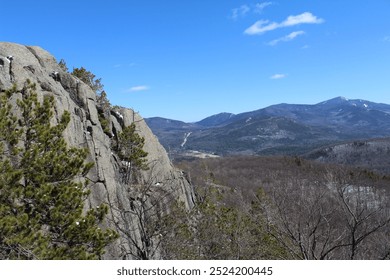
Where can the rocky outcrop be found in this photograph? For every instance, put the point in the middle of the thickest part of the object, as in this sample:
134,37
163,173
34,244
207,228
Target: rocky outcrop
19,63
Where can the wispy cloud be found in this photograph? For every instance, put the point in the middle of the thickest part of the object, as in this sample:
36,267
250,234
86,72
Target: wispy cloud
138,88
287,38
263,26
259,7
240,12
278,76
243,10
386,39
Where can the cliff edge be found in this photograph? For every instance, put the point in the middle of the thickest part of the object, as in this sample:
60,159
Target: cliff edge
19,63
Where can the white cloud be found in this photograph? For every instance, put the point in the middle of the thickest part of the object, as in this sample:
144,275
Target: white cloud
386,39
138,88
240,12
263,26
287,38
302,18
278,76
259,7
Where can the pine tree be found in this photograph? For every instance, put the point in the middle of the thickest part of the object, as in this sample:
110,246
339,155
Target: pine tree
130,151
89,78
102,103
63,65
42,193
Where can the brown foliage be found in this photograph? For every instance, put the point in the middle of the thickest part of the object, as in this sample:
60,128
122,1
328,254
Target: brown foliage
315,211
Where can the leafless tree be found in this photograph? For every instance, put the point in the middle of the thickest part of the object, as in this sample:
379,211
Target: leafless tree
329,218
143,215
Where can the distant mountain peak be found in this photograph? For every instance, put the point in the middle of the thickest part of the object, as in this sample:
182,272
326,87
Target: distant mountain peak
339,98
336,100
216,120
343,101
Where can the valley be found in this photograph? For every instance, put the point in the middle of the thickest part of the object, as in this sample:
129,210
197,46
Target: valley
314,179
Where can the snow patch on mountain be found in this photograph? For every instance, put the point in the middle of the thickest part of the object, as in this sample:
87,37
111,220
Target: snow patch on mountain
186,135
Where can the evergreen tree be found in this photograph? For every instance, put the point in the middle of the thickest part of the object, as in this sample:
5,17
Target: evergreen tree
42,193
103,104
130,151
89,78
103,107
63,65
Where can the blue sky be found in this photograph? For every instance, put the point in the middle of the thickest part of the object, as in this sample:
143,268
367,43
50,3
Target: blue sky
189,59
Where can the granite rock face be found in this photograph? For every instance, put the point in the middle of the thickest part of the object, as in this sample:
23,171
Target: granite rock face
19,63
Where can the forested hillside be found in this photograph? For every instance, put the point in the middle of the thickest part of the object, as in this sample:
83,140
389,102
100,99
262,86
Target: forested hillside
311,210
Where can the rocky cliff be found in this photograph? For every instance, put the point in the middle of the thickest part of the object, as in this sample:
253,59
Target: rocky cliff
19,63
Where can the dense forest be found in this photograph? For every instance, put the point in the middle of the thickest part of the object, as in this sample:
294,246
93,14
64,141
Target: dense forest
302,209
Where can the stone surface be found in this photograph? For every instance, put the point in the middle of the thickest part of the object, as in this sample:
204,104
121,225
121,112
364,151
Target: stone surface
85,130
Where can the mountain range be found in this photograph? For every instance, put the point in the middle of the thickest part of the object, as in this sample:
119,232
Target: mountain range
291,129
